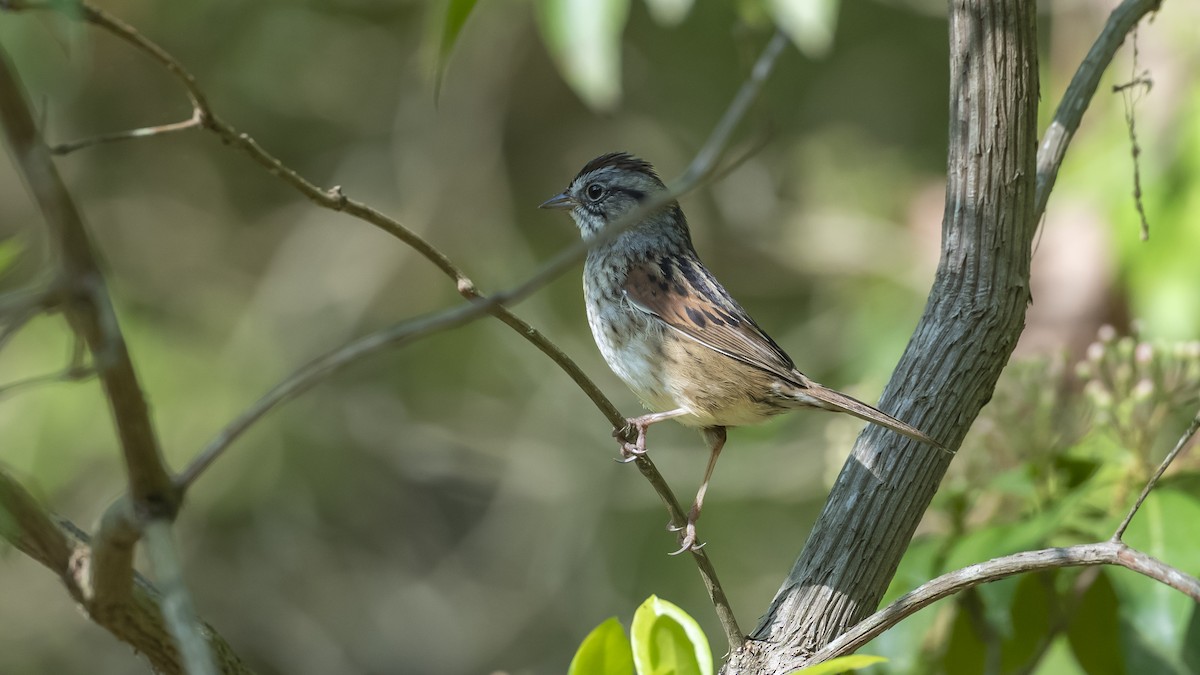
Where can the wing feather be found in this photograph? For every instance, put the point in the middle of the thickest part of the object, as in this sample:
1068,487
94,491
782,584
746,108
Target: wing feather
681,293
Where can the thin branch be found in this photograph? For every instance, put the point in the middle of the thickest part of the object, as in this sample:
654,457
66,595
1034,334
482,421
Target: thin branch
68,374
177,608
1162,468
130,134
1080,92
1101,553
1139,82
67,551
30,529
18,307
153,497
729,625
88,308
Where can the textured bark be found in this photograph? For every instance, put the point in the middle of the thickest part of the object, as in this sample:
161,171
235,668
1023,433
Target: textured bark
974,314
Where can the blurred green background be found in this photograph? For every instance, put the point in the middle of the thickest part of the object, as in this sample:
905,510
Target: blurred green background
453,506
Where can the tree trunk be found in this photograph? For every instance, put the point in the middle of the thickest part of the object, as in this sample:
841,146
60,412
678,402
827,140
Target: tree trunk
974,314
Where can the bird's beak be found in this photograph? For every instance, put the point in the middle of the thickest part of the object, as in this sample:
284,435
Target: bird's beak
559,201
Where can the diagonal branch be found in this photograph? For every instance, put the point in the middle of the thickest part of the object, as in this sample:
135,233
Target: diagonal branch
1080,92
89,308
1162,468
67,552
1101,553
153,500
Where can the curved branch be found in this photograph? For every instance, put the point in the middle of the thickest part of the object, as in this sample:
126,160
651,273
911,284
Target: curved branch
88,307
1083,555
1080,92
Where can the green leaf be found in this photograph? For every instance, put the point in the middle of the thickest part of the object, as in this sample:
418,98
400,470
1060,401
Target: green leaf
1154,617
964,651
1058,660
605,651
810,24
841,664
455,17
669,12
1095,632
666,641
1032,604
584,38
1191,643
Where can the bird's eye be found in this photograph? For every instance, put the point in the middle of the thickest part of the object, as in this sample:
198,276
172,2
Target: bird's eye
595,191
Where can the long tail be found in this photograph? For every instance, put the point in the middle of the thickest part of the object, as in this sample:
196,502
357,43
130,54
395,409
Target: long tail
831,399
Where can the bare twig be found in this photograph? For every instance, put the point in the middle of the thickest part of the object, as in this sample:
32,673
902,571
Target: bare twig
89,309
67,551
1080,92
1162,468
68,374
1101,553
130,134
177,608
18,307
733,633
30,529
1129,92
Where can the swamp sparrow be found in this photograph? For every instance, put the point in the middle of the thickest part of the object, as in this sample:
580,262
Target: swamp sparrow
672,333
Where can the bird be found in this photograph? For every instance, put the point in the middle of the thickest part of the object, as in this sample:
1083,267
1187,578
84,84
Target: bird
672,333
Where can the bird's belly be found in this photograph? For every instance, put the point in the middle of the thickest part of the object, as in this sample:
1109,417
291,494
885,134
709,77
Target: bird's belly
632,347
668,371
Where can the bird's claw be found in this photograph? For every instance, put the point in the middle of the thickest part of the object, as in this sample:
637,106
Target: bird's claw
631,451
687,542
629,454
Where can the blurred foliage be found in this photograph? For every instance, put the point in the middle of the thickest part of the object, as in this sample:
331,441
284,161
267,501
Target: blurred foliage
452,507
1056,459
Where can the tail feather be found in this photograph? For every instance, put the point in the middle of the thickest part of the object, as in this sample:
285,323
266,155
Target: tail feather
831,399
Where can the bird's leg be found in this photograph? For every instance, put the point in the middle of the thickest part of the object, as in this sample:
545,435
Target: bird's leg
631,451
687,540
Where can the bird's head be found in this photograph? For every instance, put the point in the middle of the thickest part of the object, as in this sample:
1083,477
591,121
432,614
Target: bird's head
605,189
